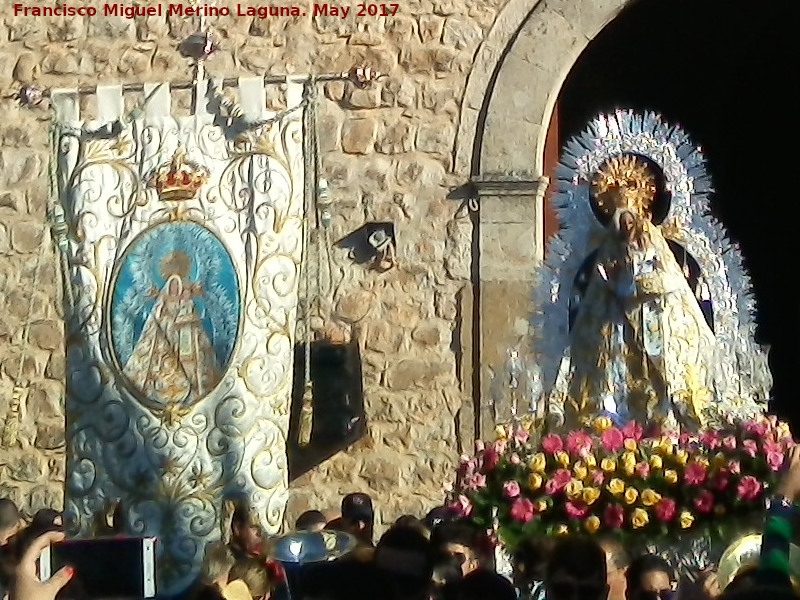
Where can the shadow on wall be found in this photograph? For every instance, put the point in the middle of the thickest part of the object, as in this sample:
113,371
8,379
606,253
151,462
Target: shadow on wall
339,417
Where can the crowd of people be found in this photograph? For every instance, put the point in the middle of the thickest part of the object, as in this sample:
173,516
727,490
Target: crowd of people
438,557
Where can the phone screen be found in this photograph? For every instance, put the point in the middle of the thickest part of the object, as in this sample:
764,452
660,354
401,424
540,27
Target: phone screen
107,569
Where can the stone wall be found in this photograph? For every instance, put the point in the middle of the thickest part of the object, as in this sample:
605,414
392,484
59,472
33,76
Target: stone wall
387,153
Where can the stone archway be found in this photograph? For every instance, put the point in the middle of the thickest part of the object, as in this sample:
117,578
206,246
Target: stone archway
509,99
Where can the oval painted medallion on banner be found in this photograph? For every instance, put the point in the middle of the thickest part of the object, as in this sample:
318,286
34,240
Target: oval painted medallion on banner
174,315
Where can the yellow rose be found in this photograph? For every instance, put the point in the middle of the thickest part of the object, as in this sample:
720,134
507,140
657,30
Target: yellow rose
592,524
580,471
538,463
602,424
562,530
590,495
534,481
666,446
720,459
542,506
608,465
590,461
563,459
574,489
702,461
631,495
671,476
656,462
682,456
616,487
687,519
650,497
631,445
502,432
639,518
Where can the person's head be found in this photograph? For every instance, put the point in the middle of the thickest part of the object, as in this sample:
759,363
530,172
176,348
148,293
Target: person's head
576,570
617,563
627,224
217,564
254,573
403,555
650,577
530,560
359,516
437,516
245,529
460,540
10,520
446,570
311,520
414,523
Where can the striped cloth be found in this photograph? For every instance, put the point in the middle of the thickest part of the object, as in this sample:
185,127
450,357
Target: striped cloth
774,569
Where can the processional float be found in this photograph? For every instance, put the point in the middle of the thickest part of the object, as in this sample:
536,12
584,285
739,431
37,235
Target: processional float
181,241
649,418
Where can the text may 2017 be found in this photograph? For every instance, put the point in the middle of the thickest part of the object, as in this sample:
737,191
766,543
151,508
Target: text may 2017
182,10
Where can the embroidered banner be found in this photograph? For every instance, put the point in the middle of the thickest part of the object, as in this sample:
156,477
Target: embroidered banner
185,241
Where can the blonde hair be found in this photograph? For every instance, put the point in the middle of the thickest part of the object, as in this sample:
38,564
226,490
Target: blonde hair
253,573
217,563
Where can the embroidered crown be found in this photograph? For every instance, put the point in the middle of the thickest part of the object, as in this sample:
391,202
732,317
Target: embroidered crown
180,179
625,182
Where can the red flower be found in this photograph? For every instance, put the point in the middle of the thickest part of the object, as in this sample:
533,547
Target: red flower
633,431
750,448
523,510
612,440
695,474
749,488
711,440
558,483
490,460
666,510
576,511
757,430
614,516
552,444
579,443
704,503
643,470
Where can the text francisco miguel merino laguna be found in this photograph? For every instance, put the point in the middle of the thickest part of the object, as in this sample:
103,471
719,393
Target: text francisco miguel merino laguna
181,10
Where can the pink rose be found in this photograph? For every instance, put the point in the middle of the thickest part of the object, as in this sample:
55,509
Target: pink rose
598,478
735,467
633,431
612,440
521,435
576,511
523,510
467,467
500,446
476,482
775,460
490,460
749,488
704,503
511,489
462,507
614,516
750,448
515,459
695,474
687,439
558,483
711,440
729,443
643,470
552,444
666,510
757,430
579,443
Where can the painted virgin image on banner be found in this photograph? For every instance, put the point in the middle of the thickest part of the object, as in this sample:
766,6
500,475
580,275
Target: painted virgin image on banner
174,315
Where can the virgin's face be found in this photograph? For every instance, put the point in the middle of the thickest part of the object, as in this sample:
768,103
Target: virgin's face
626,223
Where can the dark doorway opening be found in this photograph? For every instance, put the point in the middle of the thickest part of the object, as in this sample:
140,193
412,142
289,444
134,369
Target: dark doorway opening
723,70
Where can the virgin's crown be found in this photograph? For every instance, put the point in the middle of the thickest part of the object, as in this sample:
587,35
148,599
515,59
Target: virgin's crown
180,179
625,182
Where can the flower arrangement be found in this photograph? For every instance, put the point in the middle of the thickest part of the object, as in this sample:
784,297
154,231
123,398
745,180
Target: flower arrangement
619,480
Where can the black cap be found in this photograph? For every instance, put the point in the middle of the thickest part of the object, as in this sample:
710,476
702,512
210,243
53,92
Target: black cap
358,508
437,516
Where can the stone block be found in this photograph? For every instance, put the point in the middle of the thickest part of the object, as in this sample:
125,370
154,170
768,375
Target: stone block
431,335
430,28
27,68
462,34
365,98
47,335
419,171
383,337
47,496
56,366
49,436
401,93
356,306
397,138
28,469
66,29
26,236
358,135
417,373
20,167
509,251
383,471
436,138
116,28
401,28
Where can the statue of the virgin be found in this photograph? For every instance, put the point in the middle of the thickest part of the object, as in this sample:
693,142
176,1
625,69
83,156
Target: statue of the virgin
640,347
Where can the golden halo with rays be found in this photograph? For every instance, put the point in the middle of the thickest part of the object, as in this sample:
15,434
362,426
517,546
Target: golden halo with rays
625,182
176,263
